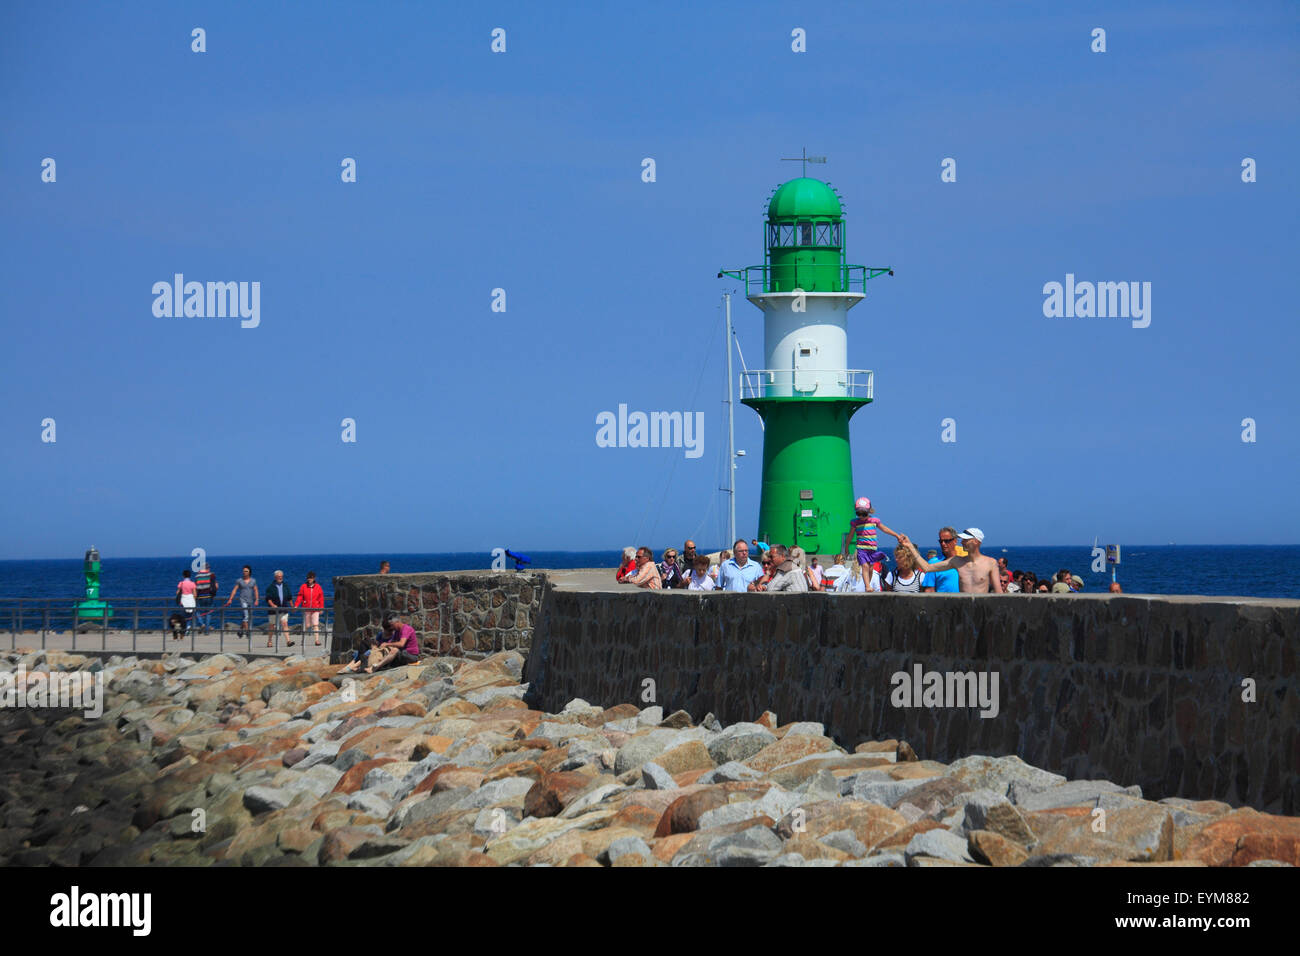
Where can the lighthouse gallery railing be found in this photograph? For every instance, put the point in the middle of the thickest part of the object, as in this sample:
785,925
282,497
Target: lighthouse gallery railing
783,382
852,278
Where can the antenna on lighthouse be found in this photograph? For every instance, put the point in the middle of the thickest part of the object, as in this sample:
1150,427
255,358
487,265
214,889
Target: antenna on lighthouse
731,430
805,159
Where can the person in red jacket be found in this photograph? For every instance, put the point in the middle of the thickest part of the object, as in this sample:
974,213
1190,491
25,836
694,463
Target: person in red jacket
628,568
311,598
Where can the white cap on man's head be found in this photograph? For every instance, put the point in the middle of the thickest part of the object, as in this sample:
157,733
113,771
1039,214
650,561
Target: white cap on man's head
969,533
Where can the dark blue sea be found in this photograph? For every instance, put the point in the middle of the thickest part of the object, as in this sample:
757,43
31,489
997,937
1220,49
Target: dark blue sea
1271,571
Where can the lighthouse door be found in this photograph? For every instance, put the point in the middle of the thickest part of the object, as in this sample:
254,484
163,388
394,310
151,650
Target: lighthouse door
805,527
805,366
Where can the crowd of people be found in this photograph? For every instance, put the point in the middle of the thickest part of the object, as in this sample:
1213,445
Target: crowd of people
759,566
397,644
195,594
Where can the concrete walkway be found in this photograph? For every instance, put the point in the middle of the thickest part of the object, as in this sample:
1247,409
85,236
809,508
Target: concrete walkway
156,643
586,579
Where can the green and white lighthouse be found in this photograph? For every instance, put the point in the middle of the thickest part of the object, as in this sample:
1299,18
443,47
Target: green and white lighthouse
806,393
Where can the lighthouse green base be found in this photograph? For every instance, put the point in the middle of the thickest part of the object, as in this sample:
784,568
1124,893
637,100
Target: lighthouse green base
807,496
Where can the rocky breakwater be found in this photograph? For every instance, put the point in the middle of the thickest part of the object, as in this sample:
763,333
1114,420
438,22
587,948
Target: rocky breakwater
269,762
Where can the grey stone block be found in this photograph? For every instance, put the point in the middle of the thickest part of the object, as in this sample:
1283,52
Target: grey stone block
973,809
407,814
498,791
845,841
879,859
820,786
656,777
739,742
939,844
808,727
558,732
645,746
847,783
349,758
319,753
884,792
262,799
405,720
381,781
732,772
493,821
480,698
626,845
475,755
1072,794
998,773
371,803
590,799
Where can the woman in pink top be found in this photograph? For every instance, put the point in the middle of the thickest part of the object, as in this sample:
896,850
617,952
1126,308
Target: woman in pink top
187,598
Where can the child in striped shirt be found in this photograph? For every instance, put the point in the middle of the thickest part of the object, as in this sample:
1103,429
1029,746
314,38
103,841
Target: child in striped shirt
862,530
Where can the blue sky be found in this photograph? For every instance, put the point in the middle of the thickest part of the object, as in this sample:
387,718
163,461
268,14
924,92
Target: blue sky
522,170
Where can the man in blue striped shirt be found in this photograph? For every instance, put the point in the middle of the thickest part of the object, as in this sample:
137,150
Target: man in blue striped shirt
738,573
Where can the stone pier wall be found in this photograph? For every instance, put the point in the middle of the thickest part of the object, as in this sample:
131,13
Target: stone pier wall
1145,690
1142,690
458,614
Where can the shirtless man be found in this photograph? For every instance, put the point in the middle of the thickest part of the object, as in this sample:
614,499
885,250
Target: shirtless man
976,573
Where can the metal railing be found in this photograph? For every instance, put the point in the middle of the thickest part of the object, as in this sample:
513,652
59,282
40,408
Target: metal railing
851,278
807,383
145,624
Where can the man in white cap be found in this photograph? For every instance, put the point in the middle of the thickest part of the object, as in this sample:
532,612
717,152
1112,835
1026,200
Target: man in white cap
976,573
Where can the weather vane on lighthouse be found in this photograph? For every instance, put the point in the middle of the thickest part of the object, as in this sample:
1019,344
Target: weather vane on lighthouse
805,159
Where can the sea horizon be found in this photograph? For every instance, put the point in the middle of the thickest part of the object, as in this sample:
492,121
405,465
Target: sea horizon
381,555
1253,570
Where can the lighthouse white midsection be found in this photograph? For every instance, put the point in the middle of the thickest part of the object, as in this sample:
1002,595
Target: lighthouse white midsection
806,346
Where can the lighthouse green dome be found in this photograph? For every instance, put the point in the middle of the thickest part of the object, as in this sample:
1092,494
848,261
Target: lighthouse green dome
804,198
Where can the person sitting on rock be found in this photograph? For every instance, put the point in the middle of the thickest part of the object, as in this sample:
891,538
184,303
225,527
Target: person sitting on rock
399,646
360,654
